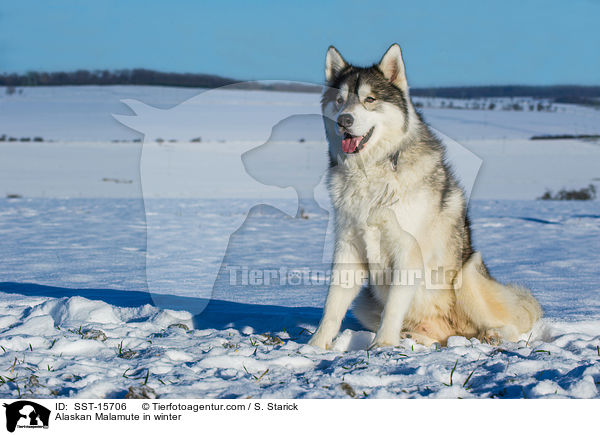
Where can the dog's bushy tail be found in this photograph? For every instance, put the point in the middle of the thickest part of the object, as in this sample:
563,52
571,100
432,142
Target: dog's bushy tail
488,304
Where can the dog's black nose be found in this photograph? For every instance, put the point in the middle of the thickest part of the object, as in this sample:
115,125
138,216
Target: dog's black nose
345,120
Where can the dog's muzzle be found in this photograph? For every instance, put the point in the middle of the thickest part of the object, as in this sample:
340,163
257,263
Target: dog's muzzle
355,144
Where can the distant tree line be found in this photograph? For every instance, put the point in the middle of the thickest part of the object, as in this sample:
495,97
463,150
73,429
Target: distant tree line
559,93
139,76
587,95
121,77
584,194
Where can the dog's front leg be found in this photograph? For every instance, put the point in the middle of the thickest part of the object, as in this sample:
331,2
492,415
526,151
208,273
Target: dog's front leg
397,304
347,276
407,274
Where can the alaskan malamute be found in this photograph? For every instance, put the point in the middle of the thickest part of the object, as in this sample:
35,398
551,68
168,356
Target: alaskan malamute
401,221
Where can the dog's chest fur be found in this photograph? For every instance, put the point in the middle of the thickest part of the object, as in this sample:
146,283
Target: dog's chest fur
356,190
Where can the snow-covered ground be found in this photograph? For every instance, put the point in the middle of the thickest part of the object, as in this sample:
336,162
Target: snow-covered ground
82,247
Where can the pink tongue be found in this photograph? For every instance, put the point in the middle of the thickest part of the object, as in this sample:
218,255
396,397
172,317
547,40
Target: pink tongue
350,144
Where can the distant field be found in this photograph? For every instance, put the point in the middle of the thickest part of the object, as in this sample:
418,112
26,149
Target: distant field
78,145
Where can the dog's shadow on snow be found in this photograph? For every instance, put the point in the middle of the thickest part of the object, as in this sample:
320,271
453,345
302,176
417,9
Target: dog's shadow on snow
218,314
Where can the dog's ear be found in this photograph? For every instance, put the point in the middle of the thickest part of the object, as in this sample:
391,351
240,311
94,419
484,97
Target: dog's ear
392,67
334,64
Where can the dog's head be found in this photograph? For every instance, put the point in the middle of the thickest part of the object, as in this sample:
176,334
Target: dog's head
366,110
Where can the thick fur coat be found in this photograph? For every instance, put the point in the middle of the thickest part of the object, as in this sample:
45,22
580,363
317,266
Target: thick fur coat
402,229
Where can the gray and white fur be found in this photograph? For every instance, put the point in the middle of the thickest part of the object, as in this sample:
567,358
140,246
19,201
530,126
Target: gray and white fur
399,209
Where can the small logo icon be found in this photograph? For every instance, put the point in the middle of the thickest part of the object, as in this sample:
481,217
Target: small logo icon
26,414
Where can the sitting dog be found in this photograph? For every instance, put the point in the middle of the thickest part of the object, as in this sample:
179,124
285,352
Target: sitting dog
401,221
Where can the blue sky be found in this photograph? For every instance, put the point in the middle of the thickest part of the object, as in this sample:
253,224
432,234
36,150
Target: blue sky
444,43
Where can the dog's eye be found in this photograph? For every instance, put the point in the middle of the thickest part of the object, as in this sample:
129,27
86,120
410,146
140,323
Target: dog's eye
369,99
339,100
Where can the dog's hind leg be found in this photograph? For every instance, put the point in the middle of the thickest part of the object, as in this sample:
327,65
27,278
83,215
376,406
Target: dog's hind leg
497,311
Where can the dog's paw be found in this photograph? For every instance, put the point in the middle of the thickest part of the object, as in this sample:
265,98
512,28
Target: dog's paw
420,339
385,341
490,336
318,340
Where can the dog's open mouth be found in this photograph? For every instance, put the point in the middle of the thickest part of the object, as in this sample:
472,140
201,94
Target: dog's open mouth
355,144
